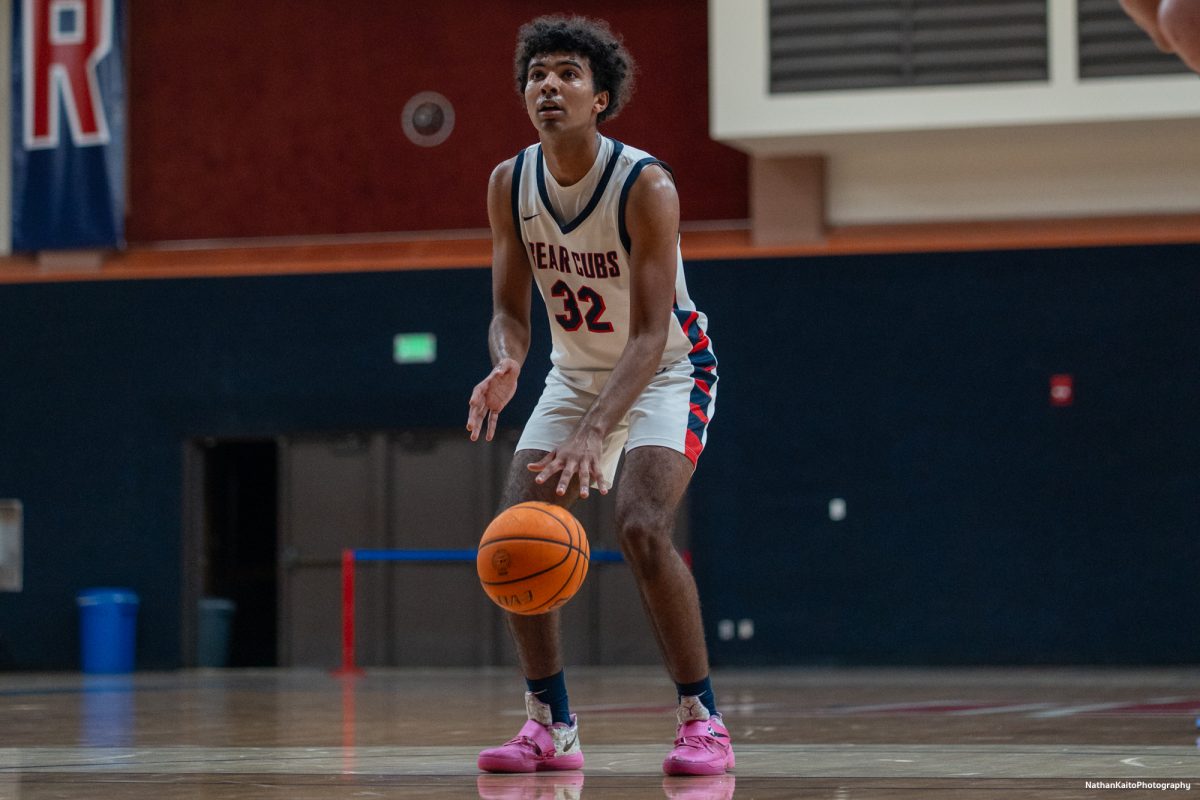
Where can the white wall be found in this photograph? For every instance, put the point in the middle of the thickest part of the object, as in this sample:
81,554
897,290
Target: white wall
1062,148
1014,173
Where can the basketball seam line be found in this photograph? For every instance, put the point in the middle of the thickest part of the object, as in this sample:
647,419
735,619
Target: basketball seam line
482,547
529,504
570,576
533,574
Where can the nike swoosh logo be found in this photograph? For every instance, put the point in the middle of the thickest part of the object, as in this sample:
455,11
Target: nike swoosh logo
567,747
531,216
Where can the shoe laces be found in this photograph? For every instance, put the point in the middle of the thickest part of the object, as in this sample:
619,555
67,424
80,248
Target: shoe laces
697,734
521,740
698,742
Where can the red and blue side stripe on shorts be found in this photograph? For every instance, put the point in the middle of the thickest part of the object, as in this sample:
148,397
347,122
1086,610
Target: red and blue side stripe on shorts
704,381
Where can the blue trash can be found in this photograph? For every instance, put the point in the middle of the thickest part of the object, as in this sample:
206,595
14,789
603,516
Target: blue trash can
107,628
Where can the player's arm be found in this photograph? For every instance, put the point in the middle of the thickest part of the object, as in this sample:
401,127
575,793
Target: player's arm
508,333
652,218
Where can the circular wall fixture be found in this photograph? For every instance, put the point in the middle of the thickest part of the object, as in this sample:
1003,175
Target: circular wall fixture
428,119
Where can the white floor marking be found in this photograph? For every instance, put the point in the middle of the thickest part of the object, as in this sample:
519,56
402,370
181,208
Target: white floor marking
973,712
1069,711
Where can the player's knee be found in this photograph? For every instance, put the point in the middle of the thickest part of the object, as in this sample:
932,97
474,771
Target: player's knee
522,485
645,539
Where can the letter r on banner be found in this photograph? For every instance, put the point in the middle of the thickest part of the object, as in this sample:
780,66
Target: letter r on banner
64,41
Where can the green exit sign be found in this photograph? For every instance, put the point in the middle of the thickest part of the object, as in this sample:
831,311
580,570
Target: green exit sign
414,348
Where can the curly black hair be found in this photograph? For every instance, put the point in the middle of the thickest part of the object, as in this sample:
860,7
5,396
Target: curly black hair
612,66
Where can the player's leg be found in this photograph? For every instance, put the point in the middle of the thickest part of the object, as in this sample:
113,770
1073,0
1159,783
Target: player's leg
667,433
1179,21
537,637
652,484
653,481
549,740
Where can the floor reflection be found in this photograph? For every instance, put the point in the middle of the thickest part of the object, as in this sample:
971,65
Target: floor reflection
570,786
108,711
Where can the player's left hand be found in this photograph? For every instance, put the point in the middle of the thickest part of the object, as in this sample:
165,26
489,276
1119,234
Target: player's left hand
579,456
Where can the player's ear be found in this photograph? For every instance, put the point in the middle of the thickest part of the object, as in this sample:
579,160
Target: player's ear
601,102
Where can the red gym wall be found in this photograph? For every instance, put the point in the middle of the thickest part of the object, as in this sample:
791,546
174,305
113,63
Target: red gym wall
282,117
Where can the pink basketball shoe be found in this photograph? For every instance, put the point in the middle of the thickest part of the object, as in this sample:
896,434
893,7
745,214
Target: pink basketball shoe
539,745
702,745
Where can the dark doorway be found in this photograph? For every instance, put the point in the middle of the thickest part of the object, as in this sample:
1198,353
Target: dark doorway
239,561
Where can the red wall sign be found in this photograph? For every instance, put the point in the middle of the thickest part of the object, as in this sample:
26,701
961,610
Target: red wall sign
1062,390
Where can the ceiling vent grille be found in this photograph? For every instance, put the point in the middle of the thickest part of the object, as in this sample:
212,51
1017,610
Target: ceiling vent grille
1111,45
826,45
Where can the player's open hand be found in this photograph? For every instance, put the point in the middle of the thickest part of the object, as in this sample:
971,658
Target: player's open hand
490,396
578,457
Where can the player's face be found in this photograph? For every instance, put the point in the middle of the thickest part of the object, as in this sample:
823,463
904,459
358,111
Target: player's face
560,94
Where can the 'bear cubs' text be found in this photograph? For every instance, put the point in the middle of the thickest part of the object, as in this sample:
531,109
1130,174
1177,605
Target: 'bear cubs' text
589,265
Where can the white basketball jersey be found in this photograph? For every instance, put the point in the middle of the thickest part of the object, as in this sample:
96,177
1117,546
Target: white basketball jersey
582,266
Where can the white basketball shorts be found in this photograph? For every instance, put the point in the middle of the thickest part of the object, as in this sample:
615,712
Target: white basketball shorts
673,412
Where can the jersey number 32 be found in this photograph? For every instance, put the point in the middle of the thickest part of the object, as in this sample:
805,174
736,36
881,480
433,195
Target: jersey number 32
573,316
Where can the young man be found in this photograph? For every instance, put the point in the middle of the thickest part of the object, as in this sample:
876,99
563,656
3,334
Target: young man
1174,25
595,223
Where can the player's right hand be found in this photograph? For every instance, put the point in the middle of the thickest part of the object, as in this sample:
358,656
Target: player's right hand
490,396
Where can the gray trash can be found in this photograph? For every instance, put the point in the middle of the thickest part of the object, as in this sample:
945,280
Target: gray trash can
215,631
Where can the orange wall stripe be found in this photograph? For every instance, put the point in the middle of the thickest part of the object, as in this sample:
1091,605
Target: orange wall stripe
145,262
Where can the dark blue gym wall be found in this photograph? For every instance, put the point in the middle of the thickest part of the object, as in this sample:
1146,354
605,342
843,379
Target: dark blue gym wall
105,381
983,526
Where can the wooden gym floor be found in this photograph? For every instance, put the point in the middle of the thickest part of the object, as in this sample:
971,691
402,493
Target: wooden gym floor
294,734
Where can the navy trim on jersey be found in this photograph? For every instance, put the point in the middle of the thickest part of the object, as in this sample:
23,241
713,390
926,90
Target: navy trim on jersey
596,195
516,195
704,371
633,175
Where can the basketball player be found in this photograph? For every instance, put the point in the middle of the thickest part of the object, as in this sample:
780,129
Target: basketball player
1174,25
594,223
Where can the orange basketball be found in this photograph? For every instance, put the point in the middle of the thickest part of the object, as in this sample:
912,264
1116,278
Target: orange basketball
533,558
